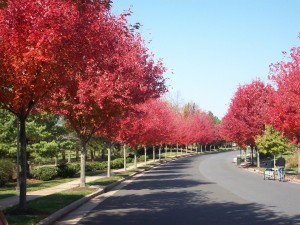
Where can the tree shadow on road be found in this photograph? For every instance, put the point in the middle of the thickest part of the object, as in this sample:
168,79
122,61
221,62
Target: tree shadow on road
181,208
179,198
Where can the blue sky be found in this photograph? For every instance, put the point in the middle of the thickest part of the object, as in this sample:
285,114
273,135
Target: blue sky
214,46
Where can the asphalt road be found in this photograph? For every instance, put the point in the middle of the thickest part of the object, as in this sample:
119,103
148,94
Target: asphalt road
206,189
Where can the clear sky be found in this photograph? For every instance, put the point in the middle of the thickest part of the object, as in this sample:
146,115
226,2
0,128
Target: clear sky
213,46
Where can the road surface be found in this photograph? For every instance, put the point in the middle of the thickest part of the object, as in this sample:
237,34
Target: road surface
202,189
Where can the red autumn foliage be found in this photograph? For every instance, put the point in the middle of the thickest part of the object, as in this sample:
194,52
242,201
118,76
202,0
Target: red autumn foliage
149,124
247,114
32,34
285,101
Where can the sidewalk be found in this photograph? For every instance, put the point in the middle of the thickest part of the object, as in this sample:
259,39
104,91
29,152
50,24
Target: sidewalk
12,201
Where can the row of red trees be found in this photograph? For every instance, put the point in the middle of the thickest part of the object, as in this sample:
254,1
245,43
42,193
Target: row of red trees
76,59
256,104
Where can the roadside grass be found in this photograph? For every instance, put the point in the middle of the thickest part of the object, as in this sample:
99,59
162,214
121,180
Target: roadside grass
9,189
43,207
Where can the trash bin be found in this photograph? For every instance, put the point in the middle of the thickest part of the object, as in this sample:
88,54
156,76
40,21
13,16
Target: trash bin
238,160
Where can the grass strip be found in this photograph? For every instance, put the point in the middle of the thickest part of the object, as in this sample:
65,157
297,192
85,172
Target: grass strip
43,207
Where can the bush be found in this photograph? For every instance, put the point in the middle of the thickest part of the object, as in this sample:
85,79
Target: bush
45,173
6,171
292,160
142,158
94,166
103,165
68,170
117,163
129,160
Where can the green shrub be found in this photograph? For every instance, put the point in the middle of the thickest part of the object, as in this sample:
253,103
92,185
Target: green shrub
6,171
142,158
117,163
93,166
292,160
45,173
129,160
68,170
102,165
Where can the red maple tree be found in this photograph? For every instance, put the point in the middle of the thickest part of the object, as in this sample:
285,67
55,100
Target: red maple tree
113,72
284,102
32,34
247,114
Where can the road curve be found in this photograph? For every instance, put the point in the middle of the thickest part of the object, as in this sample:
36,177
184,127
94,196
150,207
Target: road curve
202,189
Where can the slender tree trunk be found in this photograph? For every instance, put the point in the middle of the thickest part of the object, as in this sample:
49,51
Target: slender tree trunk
201,149
135,158
159,153
177,150
124,153
258,158
92,155
145,153
109,161
166,151
23,163
153,149
186,149
18,154
69,156
298,159
82,161
56,160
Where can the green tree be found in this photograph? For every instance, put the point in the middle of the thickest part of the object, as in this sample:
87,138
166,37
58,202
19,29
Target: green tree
8,135
272,141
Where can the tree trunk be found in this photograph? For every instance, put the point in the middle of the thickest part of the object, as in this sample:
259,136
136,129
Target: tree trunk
298,159
23,164
135,158
82,162
18,155
186,149
153,149
145,153
159,153
258,158
177,150
124,153
166,151
56,160
69,157
109,161
92,155
201,150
